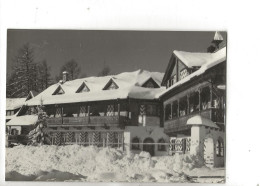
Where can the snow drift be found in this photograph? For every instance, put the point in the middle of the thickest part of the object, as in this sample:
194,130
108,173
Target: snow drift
74,162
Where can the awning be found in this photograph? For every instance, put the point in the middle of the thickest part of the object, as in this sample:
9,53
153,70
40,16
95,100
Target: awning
23,120
199,120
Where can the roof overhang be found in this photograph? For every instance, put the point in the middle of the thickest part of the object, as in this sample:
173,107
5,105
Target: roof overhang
201,121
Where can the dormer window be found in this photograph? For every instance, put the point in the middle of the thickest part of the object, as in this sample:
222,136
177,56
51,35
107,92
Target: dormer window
111,85
58,91
150,83
83,88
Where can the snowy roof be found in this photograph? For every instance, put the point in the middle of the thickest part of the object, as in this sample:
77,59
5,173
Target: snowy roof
199,120
14,103
191,59
216,58
23,120
129,85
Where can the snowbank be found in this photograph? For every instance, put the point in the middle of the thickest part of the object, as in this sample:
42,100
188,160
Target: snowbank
69,163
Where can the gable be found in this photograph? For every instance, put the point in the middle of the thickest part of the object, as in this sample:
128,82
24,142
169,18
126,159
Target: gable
150,83
83,88
111,85
58,91
169,70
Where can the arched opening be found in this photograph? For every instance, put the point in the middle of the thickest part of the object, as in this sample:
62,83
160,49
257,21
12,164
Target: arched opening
161,145
135,144
148,146
209,151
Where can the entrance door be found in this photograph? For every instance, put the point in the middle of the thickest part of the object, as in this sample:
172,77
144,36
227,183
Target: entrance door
209,152
149,147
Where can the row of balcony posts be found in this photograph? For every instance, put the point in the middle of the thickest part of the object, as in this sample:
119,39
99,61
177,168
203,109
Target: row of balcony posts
59,112
190,103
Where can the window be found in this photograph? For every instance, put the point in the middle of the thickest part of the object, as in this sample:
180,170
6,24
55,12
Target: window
168,115
111,85
175,109
82,111
149,85
58,91
83,88
174,79
110,110
151,110
194,102
205,98
58,112
183,106
161,145
220,148
135,144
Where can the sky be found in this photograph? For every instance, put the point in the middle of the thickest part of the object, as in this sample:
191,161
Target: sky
122,51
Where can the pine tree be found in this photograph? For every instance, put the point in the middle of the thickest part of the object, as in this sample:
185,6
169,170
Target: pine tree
44,76
72,67
24,75
105,71
39,135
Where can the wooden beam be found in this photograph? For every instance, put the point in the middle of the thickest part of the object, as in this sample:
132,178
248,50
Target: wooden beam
199,99
88,113
188,103
118,106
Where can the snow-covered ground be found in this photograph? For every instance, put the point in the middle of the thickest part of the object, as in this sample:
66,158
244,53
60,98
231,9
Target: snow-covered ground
92,164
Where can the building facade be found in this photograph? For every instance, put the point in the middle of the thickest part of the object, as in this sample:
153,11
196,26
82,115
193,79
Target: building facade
179,111
119,111
194,103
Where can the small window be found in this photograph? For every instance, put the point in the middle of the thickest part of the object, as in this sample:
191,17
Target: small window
83,88
175,109
111,85
168,114
183,106
110,110
174,79
58,91
150,83
161,145
135,144
220,148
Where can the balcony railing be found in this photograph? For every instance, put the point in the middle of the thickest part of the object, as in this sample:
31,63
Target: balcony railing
115,121
179,124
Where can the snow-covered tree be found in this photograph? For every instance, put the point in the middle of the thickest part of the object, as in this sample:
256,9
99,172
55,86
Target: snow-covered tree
39,135
24,75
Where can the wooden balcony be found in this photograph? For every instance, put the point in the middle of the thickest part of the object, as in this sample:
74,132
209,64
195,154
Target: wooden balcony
179,124
92,121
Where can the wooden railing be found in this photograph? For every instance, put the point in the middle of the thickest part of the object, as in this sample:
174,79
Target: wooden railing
179,124
88,121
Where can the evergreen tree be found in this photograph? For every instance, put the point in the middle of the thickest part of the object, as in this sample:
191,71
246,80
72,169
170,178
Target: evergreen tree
24,75
105,71
44,76
72,67
39,135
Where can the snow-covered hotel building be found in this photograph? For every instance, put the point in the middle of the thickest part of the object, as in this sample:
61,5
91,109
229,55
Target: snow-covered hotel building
118,110
183,108
194,102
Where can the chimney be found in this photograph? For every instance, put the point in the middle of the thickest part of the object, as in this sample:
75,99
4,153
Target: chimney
65,76
217,39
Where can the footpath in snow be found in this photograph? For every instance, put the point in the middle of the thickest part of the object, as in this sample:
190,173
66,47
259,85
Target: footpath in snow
93,164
